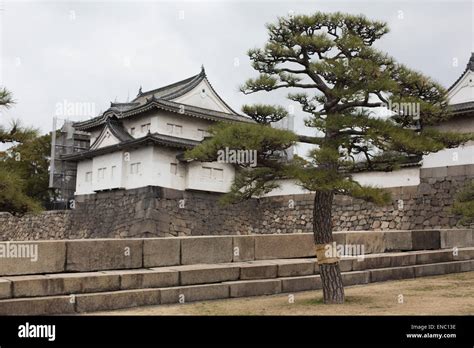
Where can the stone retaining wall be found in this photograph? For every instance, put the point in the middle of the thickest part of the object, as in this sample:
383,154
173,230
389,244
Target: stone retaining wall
160,212
58,256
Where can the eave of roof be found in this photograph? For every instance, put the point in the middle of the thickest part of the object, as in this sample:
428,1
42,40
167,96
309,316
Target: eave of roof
117,130
163,94
469,66
150,138
167,105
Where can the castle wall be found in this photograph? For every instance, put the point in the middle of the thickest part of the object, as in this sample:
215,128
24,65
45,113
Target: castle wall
160,212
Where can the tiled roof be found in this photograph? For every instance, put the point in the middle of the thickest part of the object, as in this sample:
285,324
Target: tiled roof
162,104
117,129
164,95
151,138
462,107
176,89
469,66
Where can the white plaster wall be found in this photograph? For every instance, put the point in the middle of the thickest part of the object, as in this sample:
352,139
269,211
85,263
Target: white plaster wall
464,90
450,157
287,187
107,161
138,121
83,187
190,125
106,139
402,177
206,99
195,180
144,156
162,175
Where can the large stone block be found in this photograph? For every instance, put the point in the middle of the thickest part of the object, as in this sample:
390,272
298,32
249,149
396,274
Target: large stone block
398,240
284,246
293,284
62,284
244,248
339,237
394,273
371,262
426,239
355,278
258,270
254,287
32,257
204,273
103,254
434,256
5,288
456,171
146,278
442,268
118,299
402,259
346,264
295,267
456,238
464,254
37,306
158,252
430,269
216,249
373,242
194,293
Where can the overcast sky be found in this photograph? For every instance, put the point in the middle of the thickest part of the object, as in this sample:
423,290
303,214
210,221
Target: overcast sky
97,52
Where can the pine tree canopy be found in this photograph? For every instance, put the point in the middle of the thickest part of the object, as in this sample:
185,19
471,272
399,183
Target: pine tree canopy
342,83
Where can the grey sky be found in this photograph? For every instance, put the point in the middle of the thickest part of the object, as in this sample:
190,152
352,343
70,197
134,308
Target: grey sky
96,52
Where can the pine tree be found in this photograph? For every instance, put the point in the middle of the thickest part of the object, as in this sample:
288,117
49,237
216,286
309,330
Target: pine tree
19,178
339,79
464,203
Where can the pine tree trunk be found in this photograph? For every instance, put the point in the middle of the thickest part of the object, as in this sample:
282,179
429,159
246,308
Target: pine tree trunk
333,290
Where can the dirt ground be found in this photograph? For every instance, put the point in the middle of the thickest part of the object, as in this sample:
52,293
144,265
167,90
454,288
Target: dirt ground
451,294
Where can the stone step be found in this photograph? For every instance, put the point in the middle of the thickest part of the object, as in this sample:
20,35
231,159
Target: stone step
174,276
42,257
110,300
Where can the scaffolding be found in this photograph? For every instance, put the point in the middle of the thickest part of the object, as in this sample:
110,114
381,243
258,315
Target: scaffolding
62,176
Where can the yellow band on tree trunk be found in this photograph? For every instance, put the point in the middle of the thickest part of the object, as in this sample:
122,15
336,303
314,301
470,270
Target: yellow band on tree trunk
326,253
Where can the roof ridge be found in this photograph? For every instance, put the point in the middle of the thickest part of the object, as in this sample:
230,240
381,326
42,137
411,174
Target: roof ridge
469,66
185,81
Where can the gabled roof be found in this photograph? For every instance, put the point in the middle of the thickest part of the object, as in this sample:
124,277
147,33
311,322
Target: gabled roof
165,96
154,103
149,139
469,67
115,127
176,89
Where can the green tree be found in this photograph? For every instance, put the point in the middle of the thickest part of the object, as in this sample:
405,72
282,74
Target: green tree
30,160
22,166
464,203
339,79
12,194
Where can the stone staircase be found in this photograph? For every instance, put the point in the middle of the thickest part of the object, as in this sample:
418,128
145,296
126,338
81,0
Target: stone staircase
80,276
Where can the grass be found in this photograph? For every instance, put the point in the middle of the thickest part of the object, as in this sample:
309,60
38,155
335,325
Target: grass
451,294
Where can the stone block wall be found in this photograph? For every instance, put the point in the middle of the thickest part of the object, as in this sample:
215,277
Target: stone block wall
160,212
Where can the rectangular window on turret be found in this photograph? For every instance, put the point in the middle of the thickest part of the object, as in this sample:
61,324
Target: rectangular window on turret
88,176
135,168
175,129
174,168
